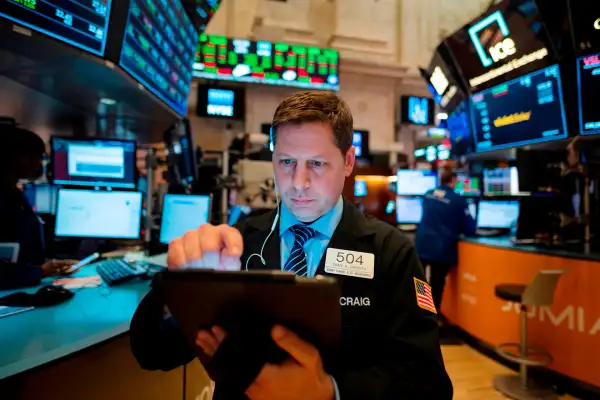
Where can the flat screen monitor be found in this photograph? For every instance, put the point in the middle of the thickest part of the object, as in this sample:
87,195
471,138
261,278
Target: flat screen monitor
98,214
360,188
360,140
182,213
507,41
42,197
93,162
497,214
221,102
417,110
523,111
279,63
501,181
415,182
459,126
158,50
181,156
588,83
467,185
82,24
409,210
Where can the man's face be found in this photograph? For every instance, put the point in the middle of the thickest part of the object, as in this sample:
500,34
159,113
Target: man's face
310,169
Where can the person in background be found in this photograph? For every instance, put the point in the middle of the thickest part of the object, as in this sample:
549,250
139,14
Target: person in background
445,217
22,159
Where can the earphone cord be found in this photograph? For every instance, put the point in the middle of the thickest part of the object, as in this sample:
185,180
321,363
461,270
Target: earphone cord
268,236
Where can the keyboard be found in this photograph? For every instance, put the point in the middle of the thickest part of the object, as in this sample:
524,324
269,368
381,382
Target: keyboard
118,271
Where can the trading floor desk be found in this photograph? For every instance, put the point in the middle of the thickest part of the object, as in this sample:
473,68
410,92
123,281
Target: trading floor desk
80,350
569,330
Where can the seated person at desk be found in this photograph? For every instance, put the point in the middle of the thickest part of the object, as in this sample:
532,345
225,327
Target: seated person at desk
445,217
22,157
390,341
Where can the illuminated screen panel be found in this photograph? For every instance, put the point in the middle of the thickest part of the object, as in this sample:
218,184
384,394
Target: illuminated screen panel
283,64
508,41
80,23
205,9
417,110
588,74
523,111
459,125
158,50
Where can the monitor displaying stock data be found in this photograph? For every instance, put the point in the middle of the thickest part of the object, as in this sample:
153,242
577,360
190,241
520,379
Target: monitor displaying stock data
523,111
588,75
158,50
415,182
80,23
284,64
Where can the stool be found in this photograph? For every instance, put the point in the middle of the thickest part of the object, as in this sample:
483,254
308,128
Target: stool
540,292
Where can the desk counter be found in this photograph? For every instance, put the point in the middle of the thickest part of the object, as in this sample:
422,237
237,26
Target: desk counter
80,349
569,329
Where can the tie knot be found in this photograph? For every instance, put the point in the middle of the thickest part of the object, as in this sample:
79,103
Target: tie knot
302,233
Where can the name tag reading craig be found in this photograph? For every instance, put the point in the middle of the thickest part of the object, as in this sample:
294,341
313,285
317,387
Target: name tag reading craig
350,263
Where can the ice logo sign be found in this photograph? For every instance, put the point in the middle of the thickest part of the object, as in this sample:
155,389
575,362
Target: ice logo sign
418,110
495,52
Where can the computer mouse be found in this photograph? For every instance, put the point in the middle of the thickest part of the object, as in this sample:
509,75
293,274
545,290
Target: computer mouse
51,295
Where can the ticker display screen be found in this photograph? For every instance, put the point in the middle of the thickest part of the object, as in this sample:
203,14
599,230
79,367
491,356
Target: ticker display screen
459,125
508,41
242,60
588,74
526,110
205,10
158,50
80,23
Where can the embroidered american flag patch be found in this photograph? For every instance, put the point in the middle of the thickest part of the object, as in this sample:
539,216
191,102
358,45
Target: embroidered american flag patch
424,297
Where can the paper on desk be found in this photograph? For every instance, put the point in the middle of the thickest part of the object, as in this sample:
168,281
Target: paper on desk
78,283
7,311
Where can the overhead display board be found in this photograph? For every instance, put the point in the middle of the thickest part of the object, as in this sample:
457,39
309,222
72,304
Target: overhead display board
588,79
242,60
80,23
585,25
444,80
417,110
158,50
508,41
523,111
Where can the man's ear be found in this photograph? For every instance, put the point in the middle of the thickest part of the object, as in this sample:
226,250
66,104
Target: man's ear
350,161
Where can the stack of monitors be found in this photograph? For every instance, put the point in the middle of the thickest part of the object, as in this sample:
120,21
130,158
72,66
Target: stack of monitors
526,110
82,24
243,60
360,141
158,50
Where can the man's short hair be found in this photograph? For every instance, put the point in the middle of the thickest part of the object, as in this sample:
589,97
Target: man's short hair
447,176
325,107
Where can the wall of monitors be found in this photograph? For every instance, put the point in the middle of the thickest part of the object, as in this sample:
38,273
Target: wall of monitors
242,60
158,49
80,23
526,110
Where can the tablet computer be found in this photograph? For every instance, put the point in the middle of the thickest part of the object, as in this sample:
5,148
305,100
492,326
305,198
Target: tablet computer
251,302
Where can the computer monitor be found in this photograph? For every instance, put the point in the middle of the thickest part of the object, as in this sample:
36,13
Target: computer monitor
467,185
415,182
360,140
182,213
93,162
497,214
409,210
98,214
42,197
360,188
501,181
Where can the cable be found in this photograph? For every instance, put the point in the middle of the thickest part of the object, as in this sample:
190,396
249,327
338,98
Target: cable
278,206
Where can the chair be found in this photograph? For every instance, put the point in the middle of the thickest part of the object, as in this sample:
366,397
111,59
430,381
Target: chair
540,292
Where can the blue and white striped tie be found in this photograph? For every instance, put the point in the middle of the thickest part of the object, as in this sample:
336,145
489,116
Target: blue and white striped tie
296,262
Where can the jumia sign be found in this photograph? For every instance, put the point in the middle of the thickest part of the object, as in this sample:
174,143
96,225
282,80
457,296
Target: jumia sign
500,50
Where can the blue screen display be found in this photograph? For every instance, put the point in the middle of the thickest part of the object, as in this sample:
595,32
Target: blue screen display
459,125
360,188
159,48
182,213
523,111
80,23
220,102
588,75
357,141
